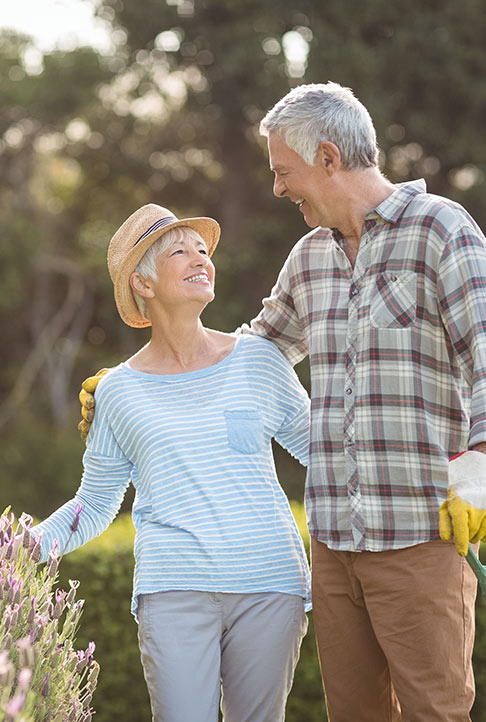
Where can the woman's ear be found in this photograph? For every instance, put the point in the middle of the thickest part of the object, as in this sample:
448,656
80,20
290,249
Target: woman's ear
141,285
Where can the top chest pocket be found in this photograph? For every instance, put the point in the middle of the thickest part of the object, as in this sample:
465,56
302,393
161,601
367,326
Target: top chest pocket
394,300
245,430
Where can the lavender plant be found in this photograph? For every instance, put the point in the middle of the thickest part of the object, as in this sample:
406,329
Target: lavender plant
42,677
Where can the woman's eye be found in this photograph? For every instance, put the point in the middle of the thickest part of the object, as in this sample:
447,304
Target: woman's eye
203,251
175,253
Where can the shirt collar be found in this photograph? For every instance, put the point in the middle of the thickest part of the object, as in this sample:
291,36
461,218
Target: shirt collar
392,207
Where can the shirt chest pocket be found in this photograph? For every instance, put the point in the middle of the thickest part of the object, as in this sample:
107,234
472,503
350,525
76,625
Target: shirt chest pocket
245,429
394,300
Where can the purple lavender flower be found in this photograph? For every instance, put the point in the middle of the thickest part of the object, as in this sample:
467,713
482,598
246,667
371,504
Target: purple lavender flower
31,609
90,651
30,616
18,589
60,603
45,685
77,513
93,675
15,704
53,561
15,616
72,592
9,550
25,520
26,652
25,675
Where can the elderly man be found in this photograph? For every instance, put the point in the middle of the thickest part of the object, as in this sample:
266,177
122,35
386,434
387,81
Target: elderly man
387,296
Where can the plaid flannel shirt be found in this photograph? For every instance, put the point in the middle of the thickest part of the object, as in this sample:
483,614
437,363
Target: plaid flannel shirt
397,349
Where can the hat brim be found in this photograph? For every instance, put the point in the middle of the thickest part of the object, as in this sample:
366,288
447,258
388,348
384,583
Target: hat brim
208,229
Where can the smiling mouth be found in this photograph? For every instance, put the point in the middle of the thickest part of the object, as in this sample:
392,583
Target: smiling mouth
197,278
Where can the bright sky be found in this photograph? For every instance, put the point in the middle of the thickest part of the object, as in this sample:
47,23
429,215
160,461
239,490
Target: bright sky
66,24
55,23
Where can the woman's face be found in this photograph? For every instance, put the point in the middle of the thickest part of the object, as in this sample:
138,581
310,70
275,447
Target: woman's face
185,272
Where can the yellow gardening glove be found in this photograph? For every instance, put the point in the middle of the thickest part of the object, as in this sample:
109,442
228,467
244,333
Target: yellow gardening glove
462,521
463,514
87,399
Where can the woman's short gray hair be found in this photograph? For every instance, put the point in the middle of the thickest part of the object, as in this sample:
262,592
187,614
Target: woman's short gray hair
316,112
147,266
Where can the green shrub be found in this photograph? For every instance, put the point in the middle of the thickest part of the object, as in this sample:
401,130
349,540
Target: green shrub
104,568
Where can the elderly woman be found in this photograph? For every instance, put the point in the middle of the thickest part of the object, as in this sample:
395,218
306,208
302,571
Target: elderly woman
221,578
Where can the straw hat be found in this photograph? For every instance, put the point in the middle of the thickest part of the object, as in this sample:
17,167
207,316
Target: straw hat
133,238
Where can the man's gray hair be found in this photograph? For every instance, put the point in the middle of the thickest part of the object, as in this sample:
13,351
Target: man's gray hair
147,266
316,112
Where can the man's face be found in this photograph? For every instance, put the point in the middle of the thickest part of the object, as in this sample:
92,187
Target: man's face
305,185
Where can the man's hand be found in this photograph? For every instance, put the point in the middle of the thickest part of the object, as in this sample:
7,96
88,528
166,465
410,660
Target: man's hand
463,514
86,396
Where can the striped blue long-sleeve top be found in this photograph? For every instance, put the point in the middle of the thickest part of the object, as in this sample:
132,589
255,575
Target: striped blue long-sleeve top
209,512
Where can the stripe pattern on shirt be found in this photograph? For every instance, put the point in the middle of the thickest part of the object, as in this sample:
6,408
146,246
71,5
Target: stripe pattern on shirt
209,512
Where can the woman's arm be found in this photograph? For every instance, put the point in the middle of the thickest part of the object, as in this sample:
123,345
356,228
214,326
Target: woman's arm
105,478
293,400
91,510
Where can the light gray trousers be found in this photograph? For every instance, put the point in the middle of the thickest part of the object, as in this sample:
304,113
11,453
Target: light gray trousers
193,644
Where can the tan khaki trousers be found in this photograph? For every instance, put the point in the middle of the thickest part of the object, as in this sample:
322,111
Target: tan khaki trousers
395,631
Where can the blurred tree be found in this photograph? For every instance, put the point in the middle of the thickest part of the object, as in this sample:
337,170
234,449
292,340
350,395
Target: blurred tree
171,116
43,275
418,68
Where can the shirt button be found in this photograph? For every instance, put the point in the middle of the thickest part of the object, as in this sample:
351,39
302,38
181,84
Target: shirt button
349,391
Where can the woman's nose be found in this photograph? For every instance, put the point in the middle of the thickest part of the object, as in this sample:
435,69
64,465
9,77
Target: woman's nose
198,258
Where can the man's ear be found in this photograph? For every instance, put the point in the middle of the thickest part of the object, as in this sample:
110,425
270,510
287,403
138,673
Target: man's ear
328,156
141,285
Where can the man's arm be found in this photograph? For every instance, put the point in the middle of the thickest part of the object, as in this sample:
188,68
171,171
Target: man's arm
278,321
462,292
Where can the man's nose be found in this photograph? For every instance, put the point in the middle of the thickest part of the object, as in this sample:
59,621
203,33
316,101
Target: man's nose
279,188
